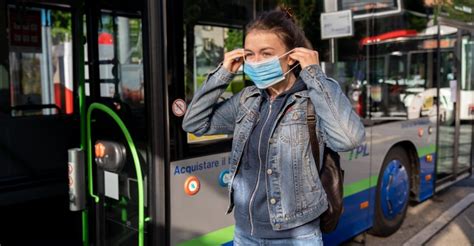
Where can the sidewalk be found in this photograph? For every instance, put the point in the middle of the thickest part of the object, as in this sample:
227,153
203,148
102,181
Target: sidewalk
455,226
422,215
459,232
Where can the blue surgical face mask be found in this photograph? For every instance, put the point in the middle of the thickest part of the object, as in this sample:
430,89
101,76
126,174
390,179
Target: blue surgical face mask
266,73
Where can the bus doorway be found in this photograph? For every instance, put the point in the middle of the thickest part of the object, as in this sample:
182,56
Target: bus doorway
199,33
455,96
117,136
183,177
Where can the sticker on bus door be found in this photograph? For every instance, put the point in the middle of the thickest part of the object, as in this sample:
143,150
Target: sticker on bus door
179,107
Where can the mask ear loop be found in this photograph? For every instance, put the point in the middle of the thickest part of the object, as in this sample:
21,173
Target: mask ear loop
291,69
285,54
294,66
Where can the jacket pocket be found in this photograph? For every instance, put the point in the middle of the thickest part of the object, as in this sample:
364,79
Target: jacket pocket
311,186
293,128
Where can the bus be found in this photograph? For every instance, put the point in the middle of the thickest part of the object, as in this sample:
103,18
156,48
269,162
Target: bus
93,95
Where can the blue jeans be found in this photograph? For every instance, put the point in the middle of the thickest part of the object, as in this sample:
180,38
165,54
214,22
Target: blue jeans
313,239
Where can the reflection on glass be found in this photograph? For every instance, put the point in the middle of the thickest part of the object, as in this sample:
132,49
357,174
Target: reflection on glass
122,88
467,103
402,78
41,81
447,102
365,6
210,43
120,54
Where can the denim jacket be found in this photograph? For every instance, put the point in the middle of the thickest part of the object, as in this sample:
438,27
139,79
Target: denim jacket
294,192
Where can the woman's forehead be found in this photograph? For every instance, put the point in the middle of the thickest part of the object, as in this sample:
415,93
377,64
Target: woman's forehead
257,40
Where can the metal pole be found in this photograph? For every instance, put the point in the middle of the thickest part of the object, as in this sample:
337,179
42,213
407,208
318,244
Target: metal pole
332,44
457,104
438,121
123,40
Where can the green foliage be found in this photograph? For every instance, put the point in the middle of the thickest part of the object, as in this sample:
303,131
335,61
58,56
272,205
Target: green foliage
135,34
307,14
235,38
417,23
458,10
61,26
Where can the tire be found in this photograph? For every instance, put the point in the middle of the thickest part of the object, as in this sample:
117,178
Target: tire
393,192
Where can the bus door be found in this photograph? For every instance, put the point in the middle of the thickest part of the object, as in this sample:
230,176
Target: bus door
117,136
466,106
456,104
199,33
38,119
37,108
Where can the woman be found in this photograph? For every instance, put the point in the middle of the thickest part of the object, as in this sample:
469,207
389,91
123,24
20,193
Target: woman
275,187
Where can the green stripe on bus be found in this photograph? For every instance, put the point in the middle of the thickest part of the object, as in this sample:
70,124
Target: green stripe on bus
430,149
218,237
226,234
360,185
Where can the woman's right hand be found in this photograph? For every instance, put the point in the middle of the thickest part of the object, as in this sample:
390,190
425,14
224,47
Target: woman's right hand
233,60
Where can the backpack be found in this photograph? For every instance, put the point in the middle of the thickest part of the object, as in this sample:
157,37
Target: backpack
331,176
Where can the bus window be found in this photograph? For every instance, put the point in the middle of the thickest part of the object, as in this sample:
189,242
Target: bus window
120,55
418,75
402,79
4,103
210,44
467,102
365,8
207,30
40,61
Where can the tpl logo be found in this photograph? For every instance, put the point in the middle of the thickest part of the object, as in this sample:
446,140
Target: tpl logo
360,151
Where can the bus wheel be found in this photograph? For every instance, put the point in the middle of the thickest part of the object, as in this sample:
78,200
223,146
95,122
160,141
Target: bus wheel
393,190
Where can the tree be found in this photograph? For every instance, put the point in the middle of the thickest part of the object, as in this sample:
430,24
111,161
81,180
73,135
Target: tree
234,39
61,26
461,10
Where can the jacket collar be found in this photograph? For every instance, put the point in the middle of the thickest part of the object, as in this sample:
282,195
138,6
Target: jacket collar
254,91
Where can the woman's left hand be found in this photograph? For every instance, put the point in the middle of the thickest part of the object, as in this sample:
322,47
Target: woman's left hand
305,56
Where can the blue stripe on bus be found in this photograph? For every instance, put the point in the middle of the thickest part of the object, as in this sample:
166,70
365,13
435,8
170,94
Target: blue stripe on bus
354,219
427,174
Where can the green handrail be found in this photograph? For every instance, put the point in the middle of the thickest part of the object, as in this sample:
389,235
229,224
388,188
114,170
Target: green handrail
79,51
136,162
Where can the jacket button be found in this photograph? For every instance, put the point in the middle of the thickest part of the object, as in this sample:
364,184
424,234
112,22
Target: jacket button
269,171
273,201
278,226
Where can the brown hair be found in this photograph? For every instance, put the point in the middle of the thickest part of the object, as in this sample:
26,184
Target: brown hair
281,22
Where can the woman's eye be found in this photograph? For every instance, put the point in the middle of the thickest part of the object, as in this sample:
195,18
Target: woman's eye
267,54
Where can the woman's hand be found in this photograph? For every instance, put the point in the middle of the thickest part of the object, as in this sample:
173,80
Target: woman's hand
233,60
305,56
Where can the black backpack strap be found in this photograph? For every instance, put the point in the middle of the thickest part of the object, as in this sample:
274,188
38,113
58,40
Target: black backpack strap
313,137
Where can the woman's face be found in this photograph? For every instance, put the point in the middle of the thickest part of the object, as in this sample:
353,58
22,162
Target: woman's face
262,45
